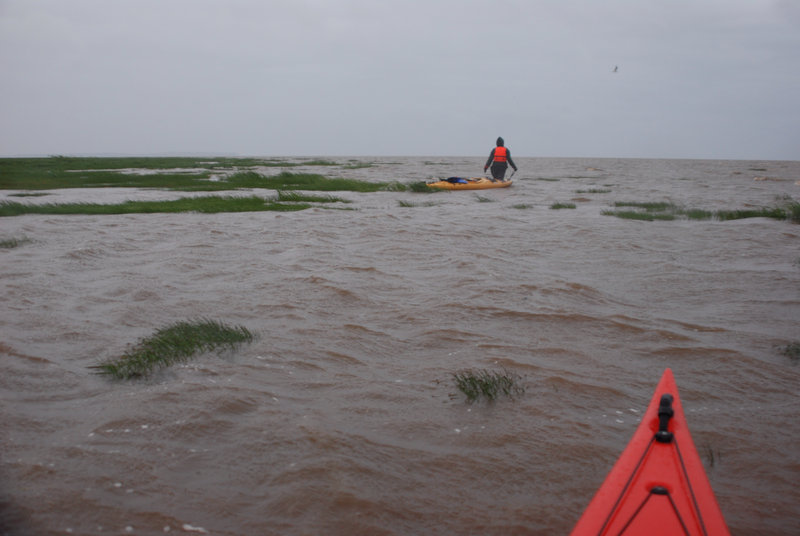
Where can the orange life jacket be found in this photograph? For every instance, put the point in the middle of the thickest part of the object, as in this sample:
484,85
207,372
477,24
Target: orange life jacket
500,154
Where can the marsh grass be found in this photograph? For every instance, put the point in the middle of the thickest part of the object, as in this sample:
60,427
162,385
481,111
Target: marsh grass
301,181
76,172
296,197
207,205
284,183
421,187
176,173
695,214
651,211
634,215
482,199
477,384
317,162
559,206
776,213
174,344
522,206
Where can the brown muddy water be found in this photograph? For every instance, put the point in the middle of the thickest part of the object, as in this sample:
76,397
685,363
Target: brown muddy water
343,418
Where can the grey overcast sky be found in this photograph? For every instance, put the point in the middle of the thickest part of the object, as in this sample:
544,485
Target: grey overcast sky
696,78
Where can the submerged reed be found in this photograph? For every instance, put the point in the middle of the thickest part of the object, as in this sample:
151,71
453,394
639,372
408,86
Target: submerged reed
793,211
594,191
476,384
10,243
173,344
634,215
792,351
174,173
411,204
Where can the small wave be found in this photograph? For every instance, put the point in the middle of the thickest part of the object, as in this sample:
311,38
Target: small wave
9,350
236,405
85,254
341,358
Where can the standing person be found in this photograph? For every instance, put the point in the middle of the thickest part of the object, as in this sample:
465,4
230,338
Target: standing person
499,158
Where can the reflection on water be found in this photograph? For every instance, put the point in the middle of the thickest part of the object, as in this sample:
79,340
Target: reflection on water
342,418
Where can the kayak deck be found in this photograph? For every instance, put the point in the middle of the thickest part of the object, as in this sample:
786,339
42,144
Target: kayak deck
658,485
474,183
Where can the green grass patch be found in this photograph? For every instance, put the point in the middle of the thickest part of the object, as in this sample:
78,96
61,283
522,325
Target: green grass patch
78,172
482,199
421,187
696,214
208,205
296,197
643,211
477,384
775,213
641,216
559,206
177,173
176,343
318,162
651,211
522,206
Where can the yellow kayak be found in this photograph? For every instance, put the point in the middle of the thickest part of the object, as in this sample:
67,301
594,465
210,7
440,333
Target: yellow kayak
475,183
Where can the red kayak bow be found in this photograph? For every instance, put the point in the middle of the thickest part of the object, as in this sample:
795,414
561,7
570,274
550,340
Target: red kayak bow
658,485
